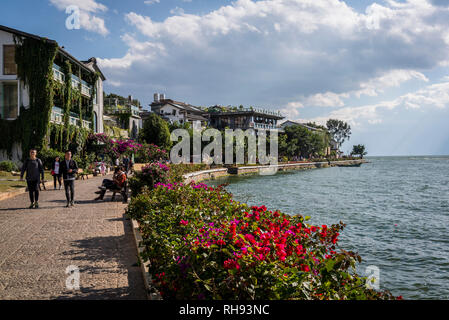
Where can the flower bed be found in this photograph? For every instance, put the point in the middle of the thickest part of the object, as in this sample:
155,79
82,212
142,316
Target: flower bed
201,244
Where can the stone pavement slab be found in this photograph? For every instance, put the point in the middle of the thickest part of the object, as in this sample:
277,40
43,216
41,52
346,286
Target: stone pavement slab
37,245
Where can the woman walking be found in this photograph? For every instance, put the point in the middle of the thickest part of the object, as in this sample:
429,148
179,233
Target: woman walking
34,170
56,172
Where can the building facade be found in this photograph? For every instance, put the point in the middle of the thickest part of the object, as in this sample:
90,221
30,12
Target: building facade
123,114
86,80
175,111
243,118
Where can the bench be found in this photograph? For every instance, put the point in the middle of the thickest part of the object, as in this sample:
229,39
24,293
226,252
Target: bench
82,174
123,192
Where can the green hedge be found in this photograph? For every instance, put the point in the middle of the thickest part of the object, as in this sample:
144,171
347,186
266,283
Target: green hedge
8,166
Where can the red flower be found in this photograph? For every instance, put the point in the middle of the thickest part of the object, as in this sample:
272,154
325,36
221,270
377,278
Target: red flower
305,268
231,264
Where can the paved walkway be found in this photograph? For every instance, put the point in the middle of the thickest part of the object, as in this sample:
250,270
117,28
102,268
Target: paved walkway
37,245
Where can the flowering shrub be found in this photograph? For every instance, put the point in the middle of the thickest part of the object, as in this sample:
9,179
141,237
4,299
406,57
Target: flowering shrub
150,153
151,174
125,147
114,148
201,244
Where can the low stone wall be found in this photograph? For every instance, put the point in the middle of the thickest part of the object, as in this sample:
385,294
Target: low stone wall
205,175
266,170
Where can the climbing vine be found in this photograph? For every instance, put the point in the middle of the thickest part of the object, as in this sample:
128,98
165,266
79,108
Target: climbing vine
34,59
32,128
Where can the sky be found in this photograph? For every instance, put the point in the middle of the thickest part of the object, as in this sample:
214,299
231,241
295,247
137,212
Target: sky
382,66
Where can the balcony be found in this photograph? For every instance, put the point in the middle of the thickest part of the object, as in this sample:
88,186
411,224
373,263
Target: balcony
86,89
256,125
58,75
57,117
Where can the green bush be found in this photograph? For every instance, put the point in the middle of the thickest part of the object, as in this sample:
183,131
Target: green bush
201,244
84,161
8,166
48,156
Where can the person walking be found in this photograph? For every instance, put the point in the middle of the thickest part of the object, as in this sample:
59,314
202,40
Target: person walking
126,164
69,169
103,168
34,171
130,166
56,172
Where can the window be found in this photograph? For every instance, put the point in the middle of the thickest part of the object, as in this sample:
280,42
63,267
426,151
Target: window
174,112
9,104
9,62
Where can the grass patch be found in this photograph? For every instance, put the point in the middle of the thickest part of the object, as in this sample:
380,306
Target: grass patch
6,186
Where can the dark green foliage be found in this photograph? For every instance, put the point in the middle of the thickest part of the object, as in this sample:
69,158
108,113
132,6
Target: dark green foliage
34,60
155,130
48,156
300,141
359,150
8,166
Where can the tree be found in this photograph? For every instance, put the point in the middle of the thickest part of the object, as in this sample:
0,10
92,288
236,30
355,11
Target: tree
339,130
155,130
300,141
359,150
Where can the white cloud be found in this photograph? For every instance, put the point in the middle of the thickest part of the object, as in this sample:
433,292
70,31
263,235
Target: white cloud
273,52
143,52
88,9
150,2
177,11
371,87
393,78
291,110
427,98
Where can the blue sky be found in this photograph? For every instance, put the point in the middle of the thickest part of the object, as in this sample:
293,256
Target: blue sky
382,66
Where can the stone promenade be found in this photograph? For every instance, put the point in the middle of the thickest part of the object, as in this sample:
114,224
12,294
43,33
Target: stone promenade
37,245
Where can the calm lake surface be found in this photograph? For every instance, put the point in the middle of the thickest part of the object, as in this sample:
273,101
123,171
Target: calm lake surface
396,210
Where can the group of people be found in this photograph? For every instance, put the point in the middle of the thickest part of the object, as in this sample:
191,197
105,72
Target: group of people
34,170
66,171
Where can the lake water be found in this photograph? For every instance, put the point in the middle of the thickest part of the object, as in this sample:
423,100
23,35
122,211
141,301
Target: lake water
396,210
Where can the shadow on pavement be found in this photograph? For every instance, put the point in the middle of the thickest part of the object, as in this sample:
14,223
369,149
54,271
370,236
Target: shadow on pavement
105,257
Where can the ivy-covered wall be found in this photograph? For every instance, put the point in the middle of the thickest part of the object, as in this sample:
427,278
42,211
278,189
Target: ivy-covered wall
32,129
34,60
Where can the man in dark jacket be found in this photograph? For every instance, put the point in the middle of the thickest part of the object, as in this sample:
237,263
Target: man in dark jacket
34,170
126,163
69,169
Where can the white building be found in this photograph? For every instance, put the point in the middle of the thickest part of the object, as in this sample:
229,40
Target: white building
175,111
14,94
